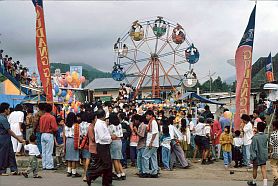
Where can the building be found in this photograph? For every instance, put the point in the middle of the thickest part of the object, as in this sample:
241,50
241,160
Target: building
229,99
108,87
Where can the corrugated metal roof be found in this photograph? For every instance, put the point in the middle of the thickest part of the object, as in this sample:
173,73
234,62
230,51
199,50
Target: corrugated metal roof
110,83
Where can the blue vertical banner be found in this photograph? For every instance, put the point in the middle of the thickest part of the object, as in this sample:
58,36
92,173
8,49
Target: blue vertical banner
269,69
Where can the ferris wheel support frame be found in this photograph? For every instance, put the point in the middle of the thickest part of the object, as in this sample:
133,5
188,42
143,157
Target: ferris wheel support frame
155,77
142,78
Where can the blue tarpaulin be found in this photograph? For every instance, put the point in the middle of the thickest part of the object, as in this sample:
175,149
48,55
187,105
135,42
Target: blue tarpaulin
13,100
202,99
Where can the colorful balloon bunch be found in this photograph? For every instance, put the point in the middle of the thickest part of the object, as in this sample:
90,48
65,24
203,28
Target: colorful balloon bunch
71,80
63,95
72,107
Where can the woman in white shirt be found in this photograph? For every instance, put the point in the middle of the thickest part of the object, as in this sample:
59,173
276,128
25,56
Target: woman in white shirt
116,132
16,120
72,155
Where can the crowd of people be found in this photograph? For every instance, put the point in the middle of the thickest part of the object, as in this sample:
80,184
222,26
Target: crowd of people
108,138
15,69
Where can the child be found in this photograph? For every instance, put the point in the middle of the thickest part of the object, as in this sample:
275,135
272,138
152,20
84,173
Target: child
115,129
33,160
206,142
274,152
59,143
142,133
71,140
135,121
259,154
165,140
186,136
226,141
237,142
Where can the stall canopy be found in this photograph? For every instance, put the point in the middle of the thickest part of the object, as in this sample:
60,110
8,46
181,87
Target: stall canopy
202,99
13,100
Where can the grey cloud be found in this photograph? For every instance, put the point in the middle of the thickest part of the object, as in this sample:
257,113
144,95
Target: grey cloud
86,31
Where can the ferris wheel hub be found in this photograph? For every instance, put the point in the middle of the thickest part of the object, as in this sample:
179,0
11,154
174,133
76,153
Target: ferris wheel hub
154,56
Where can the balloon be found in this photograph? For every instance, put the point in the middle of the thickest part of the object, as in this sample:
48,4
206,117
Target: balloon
75,109
70,100
67,97
65,84
82,79
60,99
227,114
78,84
53,91
59,92
60,79
56,88
64,93
67,73
69,79
63,81
74,75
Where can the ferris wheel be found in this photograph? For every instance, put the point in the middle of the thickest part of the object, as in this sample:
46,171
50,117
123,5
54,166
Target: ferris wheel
155,52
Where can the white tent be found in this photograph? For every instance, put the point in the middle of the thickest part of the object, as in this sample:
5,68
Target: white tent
273,88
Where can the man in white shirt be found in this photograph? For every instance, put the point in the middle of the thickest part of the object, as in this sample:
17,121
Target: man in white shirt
16,120
150,152
103,140
199,131
247,138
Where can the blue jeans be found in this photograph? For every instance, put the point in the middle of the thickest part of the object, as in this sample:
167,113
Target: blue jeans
192,141
124,146
150,158
140,160
246,154
47,141
133,153
166,155
227,157
38,140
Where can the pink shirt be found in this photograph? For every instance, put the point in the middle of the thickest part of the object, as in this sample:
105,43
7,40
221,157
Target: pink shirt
216,132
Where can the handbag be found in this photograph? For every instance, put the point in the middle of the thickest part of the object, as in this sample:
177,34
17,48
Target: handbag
84,144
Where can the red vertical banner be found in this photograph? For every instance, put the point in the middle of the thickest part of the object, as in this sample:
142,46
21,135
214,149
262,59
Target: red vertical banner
243,60
42,51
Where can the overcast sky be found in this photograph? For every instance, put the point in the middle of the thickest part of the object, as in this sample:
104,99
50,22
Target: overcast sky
86,31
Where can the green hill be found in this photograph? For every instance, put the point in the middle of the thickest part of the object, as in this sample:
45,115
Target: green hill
89,72
258,71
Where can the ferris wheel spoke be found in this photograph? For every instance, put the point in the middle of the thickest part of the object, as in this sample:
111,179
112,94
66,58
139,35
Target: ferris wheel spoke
166,74
129,68
178,73
148,46
162,48
142,78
